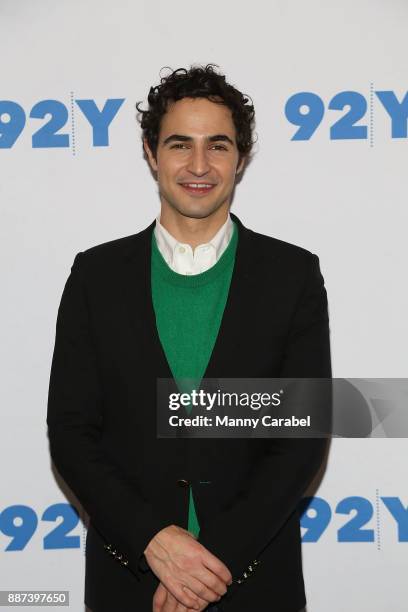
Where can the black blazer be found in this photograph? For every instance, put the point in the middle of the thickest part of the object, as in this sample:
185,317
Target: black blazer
102,422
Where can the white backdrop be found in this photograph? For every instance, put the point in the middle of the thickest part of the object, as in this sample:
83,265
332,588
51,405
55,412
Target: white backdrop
343,198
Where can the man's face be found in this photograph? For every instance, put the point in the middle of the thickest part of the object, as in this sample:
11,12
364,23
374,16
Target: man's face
197,157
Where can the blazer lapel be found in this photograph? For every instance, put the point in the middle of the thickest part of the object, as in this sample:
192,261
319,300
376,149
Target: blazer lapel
237,312
139,304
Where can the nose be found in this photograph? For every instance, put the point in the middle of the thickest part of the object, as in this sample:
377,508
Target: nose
198,162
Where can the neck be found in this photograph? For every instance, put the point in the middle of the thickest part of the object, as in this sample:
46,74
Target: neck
191,230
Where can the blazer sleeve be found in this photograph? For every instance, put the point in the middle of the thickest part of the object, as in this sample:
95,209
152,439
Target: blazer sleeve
125,520
240,534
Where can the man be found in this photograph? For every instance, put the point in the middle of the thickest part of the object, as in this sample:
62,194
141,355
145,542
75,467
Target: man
187,524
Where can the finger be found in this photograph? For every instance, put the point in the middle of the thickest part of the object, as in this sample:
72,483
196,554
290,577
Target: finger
172,603
217,567
181,608
208,587
201,602
168,607
202,606
159,598
176,589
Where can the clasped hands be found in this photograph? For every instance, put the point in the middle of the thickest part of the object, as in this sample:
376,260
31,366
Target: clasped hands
190,576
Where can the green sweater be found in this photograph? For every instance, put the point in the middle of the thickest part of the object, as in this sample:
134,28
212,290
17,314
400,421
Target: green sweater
188,312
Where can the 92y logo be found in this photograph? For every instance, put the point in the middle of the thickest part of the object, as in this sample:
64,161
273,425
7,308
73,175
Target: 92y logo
19,522
306,110
13,120
316,514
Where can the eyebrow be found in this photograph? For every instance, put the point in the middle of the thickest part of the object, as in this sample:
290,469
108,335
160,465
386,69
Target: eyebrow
183,138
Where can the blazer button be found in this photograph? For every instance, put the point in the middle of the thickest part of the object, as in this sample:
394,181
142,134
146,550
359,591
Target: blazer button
183,483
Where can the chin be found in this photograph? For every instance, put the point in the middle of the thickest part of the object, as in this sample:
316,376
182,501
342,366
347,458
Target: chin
197,214
198,211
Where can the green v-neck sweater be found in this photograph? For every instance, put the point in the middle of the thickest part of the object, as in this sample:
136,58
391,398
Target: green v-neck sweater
188,312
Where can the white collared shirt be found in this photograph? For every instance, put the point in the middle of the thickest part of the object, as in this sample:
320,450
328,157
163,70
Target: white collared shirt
180,256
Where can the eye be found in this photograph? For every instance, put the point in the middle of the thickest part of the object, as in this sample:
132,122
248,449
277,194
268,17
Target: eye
179,145
220,147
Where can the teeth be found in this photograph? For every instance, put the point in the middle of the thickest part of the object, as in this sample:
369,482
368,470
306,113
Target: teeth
197,185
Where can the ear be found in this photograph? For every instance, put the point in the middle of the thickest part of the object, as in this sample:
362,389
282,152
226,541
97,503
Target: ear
150,156
241,164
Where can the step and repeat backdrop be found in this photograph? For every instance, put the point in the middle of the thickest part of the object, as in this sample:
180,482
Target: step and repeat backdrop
330,89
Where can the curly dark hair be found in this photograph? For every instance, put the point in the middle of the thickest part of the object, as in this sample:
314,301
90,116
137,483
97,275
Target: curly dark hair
197,82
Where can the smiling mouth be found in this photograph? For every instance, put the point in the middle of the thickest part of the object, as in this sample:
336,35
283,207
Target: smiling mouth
197,188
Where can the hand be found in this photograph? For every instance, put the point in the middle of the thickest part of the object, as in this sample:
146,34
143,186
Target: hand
186,568
164,601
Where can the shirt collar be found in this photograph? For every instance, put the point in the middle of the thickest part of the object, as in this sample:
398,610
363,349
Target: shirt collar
167,244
